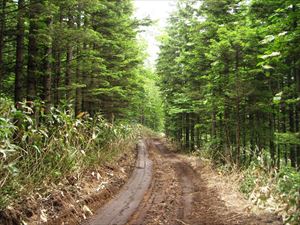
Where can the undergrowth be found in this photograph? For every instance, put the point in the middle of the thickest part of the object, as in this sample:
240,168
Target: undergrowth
277,190
37,149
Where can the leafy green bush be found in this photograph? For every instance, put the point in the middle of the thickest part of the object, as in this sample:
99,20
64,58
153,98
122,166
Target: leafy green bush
264,185
275,190
288,186
36,149
247,184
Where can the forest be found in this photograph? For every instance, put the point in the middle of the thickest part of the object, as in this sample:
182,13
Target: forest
230,78
245,99
75,91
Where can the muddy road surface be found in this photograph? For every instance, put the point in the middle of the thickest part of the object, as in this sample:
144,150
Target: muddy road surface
166,189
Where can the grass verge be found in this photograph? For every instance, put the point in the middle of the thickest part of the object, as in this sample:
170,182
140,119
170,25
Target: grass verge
38,151
272,189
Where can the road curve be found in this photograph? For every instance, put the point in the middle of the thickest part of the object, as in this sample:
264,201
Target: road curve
122,206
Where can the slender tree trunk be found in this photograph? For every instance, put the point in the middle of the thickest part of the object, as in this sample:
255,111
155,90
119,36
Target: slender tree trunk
192,132
293,108
297,130
68,76
20,79
296,73
84,78
238,101
297,112
238,132
278,128
213,124
78,99
182,141
271,145
57,54
292,130
198,135
252,136
84,81
2,30
244,135
187,131
284,129
227,131
47,79
57,75
271,119
179,137
32,67
226,116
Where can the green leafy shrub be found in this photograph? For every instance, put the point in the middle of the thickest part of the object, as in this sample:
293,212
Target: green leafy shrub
275,190
264,185
288,188
36,149
247,184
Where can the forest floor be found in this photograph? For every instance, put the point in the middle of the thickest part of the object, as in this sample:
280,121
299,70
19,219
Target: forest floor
182,190
158,186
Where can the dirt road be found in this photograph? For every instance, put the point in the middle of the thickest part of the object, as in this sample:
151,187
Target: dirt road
166,189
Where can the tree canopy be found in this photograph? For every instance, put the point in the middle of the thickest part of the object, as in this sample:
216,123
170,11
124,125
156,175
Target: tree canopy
80,53
230,77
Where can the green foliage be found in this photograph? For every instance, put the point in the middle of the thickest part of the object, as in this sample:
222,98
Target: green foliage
288,180
41,153
230,81
248,184
288,138
83,52
278,191
83,57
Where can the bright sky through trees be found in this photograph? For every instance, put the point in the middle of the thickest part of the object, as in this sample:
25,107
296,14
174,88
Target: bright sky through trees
158,10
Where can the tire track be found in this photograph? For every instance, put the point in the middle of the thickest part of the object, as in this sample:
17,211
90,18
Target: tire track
175,194
120,208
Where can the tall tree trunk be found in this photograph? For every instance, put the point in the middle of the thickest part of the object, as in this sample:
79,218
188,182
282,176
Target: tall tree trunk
238,101
57,75
213,124
271,119
192,123
187,131
238,131
292,130
78,98
68,76
297,130
20,79
2,30
291,118
252,135
271,139
32,67
226,127
57,54
198,134
297,112
47,79
85,81
284,130
182,143
179,137
277,121
295,73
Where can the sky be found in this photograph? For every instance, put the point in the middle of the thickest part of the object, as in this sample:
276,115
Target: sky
158,10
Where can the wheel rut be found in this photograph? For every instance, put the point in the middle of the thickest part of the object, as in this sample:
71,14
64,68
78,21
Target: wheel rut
165,189
119,209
